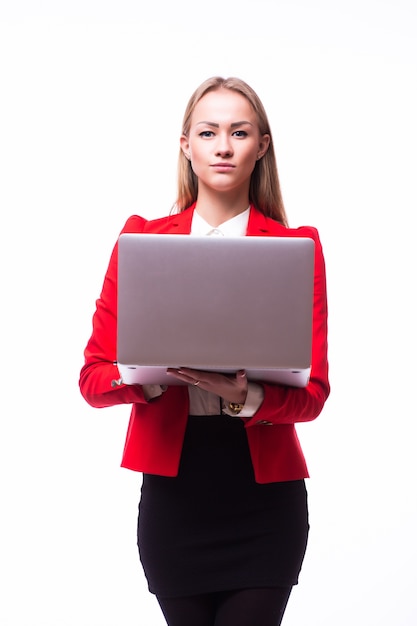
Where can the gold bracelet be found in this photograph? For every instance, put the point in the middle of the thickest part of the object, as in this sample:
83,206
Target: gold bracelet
235,407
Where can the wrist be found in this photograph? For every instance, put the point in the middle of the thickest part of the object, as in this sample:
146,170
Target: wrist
238,397
235,406
251,402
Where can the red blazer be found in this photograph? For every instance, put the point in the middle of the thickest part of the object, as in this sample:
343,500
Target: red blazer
156,429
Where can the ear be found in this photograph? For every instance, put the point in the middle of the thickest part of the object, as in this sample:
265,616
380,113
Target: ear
185,146
263,145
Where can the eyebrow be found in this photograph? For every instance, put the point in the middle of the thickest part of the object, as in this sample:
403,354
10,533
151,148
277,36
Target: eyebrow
233,125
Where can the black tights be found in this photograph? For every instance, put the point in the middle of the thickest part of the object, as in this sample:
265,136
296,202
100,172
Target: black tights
242,607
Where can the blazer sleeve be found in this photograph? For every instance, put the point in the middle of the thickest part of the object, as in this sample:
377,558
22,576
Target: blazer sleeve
99,377
288,405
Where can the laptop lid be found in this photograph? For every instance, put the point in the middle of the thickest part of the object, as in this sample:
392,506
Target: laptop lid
214,303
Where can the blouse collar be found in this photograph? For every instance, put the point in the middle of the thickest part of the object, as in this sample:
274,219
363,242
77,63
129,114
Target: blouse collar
234,227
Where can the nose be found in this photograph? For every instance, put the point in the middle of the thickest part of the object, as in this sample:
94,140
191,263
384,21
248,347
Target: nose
224,147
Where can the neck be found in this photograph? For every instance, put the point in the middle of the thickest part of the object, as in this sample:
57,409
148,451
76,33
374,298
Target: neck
216,209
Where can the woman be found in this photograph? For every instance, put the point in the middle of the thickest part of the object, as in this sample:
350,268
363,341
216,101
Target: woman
223,519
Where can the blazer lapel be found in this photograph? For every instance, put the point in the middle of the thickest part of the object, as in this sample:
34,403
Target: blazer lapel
180,223
261,226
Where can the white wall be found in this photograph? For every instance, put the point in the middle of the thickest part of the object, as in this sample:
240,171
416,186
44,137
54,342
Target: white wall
91,100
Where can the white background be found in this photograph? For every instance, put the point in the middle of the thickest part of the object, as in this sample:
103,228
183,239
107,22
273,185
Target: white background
91,101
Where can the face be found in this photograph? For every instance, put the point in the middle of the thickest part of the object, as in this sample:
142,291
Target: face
224,141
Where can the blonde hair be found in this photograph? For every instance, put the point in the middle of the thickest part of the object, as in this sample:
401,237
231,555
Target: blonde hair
264,189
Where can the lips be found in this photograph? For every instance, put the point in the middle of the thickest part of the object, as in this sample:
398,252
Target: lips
225,167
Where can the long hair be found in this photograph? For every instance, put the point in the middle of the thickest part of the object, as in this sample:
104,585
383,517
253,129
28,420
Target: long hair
264,189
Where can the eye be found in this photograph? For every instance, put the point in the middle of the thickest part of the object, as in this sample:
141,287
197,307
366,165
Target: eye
206,134
240,134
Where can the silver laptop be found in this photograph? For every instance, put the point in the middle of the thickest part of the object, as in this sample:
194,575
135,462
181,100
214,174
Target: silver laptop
215,303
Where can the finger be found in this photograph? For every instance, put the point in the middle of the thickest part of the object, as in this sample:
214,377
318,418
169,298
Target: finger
175,373
188,371
241,378
187,376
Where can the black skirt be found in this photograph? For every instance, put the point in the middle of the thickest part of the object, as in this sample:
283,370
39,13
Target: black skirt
213,528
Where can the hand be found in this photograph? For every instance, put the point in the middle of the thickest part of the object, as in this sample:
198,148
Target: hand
230,387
